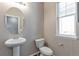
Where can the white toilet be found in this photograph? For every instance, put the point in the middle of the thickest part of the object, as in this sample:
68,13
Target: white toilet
44,51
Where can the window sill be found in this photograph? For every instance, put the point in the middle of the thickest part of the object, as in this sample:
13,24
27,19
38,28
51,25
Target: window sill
68,36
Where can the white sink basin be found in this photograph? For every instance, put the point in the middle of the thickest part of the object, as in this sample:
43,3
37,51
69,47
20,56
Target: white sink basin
15,42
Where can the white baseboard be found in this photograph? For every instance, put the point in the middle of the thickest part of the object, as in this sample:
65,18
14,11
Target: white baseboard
35,53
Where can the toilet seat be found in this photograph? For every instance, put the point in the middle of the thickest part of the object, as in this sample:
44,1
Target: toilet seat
46,51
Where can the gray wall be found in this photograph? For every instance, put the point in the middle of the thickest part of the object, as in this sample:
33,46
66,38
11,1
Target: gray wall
70,45
33,28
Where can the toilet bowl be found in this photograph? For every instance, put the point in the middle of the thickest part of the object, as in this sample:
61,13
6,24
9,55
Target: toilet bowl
44,51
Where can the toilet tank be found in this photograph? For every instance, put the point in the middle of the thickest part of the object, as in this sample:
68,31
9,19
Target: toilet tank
39,42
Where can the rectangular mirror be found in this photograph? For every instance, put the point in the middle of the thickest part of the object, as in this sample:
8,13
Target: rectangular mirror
11,23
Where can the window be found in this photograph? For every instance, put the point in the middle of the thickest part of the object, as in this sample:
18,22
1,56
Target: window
66,16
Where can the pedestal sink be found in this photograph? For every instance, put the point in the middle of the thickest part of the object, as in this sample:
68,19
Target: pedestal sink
15,44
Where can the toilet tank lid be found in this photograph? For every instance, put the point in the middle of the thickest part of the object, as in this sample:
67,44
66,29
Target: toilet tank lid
39,39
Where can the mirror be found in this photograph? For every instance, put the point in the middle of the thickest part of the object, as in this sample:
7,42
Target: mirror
11,23
14,21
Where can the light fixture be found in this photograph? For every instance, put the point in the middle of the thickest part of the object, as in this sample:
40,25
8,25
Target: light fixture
21,2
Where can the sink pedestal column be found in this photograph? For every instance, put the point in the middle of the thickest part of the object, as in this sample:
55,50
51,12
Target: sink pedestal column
16,51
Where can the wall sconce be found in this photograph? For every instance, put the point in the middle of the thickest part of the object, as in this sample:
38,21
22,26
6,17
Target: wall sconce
21,3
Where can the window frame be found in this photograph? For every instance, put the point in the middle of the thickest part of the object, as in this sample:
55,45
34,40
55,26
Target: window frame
57,23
